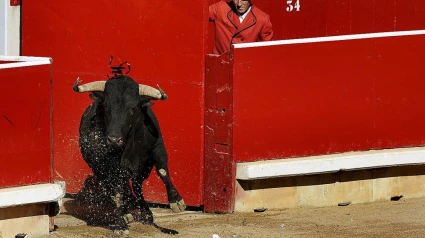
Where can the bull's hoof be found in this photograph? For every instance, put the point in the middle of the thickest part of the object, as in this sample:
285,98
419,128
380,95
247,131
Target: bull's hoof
119,225
128,218
121,233
146,216
178,206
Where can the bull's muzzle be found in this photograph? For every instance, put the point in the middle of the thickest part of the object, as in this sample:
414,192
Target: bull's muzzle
115,141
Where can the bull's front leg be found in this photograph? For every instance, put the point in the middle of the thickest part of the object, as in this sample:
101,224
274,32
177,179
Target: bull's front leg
161,164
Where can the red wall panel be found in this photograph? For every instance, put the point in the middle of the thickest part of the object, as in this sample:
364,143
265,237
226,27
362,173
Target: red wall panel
304,98
219,164
25,107
317,18
405,15
328,97
361,17
399,98
384,15
338,17
163,41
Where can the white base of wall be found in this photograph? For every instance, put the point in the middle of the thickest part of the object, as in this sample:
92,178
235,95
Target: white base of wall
25,209
29,219
39,193
321,190
330,163
318,181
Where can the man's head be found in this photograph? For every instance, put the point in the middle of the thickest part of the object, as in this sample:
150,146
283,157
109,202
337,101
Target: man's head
242,5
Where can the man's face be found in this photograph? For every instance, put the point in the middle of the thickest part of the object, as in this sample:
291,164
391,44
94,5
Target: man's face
242,5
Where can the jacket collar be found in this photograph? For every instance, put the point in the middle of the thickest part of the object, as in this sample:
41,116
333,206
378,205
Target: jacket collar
249,21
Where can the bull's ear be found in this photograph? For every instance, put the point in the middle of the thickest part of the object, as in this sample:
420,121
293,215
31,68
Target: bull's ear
145,101
97,96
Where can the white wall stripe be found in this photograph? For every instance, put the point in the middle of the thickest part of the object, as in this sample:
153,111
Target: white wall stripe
330,38
23,61
22,195
23,58
330,163
23,64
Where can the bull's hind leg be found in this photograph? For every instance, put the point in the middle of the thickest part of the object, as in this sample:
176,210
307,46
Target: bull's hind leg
161,164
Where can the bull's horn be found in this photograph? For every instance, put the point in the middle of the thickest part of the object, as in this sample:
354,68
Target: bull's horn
89,87
152,92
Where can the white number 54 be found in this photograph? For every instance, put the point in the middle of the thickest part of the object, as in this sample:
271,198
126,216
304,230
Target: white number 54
291,7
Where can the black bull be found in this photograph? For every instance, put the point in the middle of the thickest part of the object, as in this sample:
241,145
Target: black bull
120,139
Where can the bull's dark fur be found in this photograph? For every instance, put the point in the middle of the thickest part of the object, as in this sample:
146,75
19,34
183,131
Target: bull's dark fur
119,112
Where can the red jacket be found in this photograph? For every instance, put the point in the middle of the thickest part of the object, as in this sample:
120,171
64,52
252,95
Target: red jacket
255,27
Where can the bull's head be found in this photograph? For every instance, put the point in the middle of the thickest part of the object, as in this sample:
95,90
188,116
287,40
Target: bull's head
122,100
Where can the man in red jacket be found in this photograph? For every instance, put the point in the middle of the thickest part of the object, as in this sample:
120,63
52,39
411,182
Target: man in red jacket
238,21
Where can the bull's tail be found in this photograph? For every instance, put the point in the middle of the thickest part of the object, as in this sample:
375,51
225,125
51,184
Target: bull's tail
165,230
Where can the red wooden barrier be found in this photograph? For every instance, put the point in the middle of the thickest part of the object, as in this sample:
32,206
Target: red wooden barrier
27,191
313,99
317,18
328,97
25,112
219,165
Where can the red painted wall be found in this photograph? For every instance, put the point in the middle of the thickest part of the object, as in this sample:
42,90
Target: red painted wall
25,103
338,17
329,97
317,18
163,41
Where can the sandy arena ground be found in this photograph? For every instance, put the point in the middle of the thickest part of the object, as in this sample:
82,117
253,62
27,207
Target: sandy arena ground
403,218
